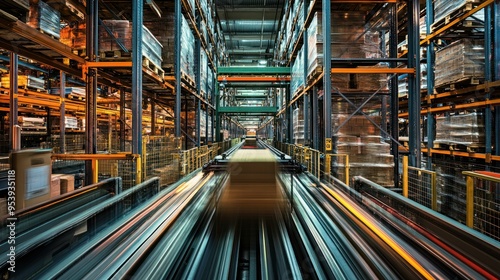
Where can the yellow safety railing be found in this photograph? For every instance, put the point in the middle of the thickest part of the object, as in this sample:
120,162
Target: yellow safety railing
420,185
482,206
328,165
96,158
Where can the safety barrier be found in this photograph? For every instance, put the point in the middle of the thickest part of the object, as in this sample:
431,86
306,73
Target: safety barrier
420,185
483,202
125,165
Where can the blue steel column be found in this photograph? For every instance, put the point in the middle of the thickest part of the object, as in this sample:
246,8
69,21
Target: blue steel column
289,116
13,102
305,47
314,119
62,110
137,9
206,107
123,119
217,114
327,65
414,83
91,87
197,53
488,120
430,81
496,68
177,65
393,86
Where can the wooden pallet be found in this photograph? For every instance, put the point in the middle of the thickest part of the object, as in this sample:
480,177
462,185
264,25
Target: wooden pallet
187,79
146,62
458,84
470,148
315,73
467,6
115,55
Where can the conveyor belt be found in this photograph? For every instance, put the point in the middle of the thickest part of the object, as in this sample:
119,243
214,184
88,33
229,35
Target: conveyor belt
318,233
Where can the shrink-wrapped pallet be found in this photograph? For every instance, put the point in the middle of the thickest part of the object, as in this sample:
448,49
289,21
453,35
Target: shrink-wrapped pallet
121,36
461,129
358,137
297,80
44,18
462,60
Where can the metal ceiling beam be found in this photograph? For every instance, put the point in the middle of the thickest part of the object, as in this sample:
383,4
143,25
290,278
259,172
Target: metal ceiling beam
248,110
254,70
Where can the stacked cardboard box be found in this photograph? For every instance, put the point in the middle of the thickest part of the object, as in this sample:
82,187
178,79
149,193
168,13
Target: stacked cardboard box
444,8
297,80
462,129
44,18
369,156
122,33
298,126
459,61
24,81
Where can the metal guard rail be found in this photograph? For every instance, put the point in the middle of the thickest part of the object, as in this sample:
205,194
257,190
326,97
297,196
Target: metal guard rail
467,241
53,208
96,218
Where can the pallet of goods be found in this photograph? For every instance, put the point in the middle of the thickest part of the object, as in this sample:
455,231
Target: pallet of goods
44,18
461,62
460,132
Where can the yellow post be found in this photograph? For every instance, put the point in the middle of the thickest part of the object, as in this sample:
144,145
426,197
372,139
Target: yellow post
328,164
405,176
347,170
144,155
469,202
95,171
138,175
434,191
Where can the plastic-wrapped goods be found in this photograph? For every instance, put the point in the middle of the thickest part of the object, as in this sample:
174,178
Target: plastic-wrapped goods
80,91
298,125
359,82
297,80
44,18
122,32
459,61
369,156
164,31
461,129
24,81
74,37
444,8
349,39
203,71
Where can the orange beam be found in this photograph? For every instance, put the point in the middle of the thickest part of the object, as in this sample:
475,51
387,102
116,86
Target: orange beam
253,79
373,70
121,156
108,64
479,104
461,154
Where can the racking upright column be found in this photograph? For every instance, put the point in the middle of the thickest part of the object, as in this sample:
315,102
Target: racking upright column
430,80
307,118
177,65
314,119
197,53
91,87
137,18
13,104
414,83
62,117
488,120
496,67
327,65
123,119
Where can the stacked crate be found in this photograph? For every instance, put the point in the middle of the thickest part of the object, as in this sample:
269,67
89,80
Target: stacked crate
164,30
122,33
298,126
461,129
359,138
349,39
462,60
44,18
297,81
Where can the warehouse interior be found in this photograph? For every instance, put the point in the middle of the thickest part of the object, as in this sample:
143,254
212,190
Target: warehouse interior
236,139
